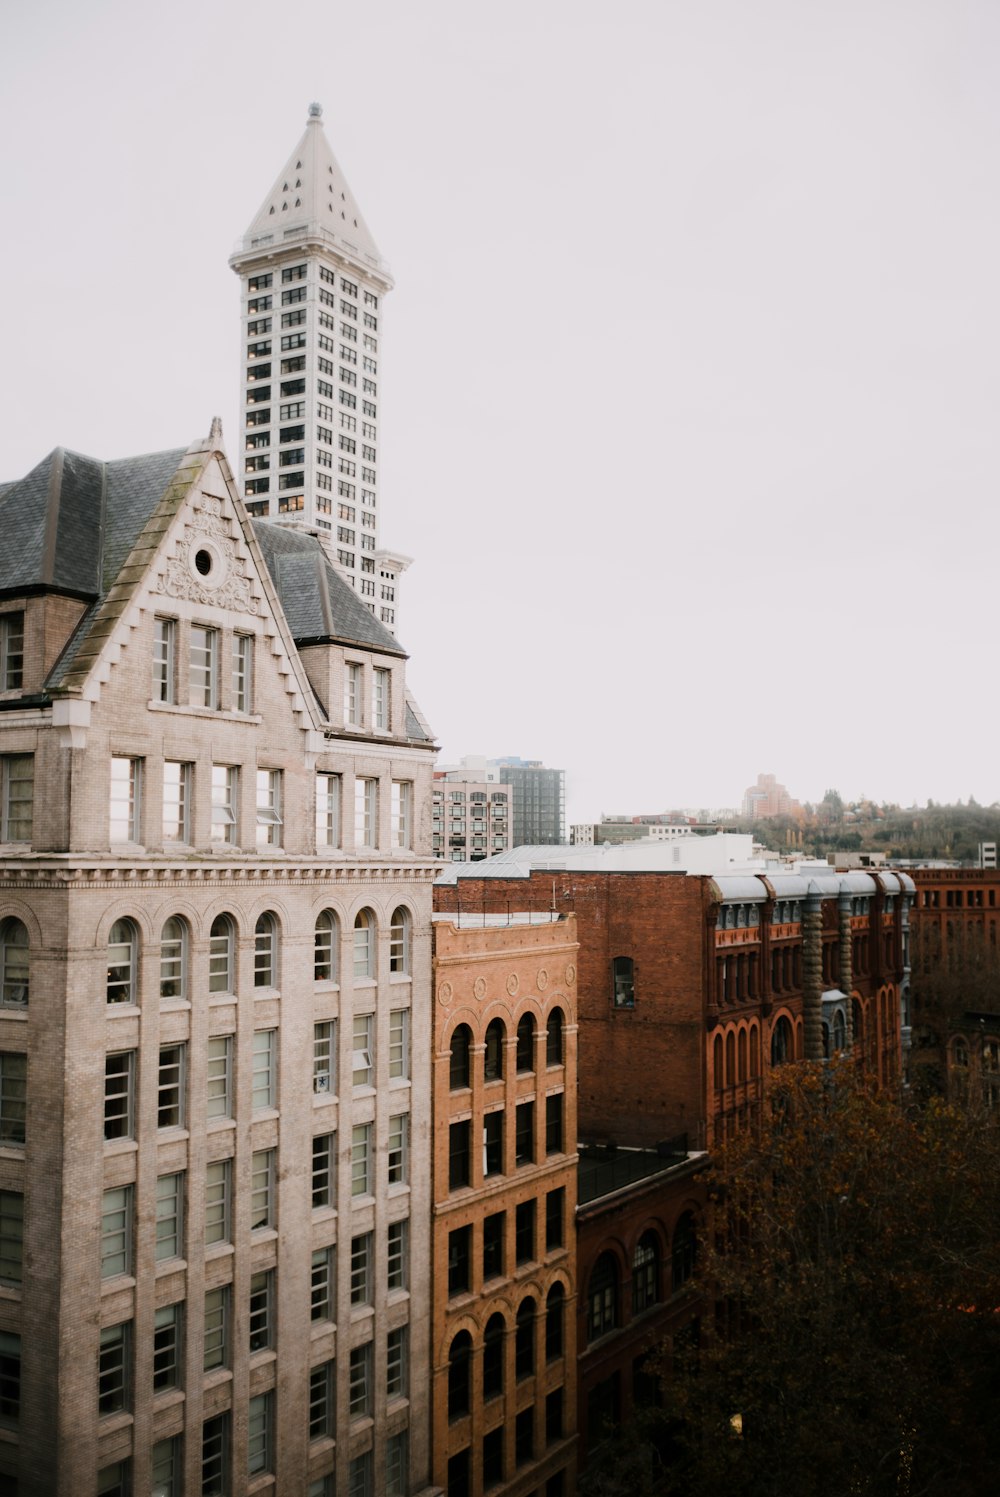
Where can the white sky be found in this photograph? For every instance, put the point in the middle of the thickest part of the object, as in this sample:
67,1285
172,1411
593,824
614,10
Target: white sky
690,379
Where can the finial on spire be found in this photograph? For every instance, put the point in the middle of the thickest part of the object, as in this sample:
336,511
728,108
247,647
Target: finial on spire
315,111
215,435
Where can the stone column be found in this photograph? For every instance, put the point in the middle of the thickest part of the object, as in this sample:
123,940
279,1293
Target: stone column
812,975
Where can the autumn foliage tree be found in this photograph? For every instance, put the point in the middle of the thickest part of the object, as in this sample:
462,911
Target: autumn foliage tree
853,1258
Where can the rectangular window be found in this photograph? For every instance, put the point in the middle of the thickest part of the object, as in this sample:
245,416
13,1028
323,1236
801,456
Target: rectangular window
176,801
493,1143
555,1212
262,1192
524,1232
217,1198
402,813
352,695
11,651
362,1269
524,1133
261,1310
217,1328
395,1364
170,1087
225,803
203,674
365,813
10,1379
167,1348
363,1064
167,1467
460,1260
269,808
17,791
324,1165
322,1384
164,660
399,1043
116,1233
361,1476
397,1460
260,1434
324,1057
381,685
215,1456
265,1078
119,1095
242,673
360,1374
493,1235
524,1437
554,1124
322,1284
114,1368
361,1159
169,1217
458,1154
220,1076
126,799
328,810
397,1255
399,1149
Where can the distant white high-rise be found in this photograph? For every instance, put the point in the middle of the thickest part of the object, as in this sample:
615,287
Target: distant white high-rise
313,284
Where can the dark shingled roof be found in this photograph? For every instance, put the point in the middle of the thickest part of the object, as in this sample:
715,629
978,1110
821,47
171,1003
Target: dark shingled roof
318,604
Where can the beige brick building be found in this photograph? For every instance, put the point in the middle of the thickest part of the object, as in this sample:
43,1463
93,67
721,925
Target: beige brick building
215,903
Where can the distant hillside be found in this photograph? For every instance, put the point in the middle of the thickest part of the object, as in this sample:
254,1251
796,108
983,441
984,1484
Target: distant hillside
931,831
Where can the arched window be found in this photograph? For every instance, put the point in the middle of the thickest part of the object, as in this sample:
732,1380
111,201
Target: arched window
493,1357
400,928
460,1075
839,1031
731,1058
123,950
718,1064
781,1042
493,1063
524,1339
221,956
265,952
526,1044
826,1040
459,1362
13,964
645,1273
326,947
554,1038
683,1251
754,1050
959,1052
602,1297
623,982
173,959
741,1047
858,1015
555,1307
364,944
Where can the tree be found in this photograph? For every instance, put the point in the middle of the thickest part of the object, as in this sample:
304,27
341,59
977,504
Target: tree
854,1262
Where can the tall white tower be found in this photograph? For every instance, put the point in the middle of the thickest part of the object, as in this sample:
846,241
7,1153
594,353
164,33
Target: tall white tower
313,284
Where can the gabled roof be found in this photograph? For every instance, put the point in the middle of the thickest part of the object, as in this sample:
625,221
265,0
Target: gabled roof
312,192
318,604
69,524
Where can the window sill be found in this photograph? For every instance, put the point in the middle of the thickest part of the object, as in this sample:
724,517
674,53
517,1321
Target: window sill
120,1419
168,1398
216,713
216,1250
216,1376
117,1146
20,1013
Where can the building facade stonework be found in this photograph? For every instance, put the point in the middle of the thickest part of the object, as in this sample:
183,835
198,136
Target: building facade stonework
215,899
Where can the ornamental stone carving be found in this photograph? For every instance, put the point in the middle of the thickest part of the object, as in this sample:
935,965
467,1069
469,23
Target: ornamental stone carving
206,566
479,988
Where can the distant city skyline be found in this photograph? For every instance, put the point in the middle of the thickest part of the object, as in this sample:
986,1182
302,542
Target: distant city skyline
689,380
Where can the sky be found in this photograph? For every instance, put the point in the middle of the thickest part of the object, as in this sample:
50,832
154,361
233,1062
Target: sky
689,381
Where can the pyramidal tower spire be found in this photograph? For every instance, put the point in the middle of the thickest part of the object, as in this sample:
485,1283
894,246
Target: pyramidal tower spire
313,282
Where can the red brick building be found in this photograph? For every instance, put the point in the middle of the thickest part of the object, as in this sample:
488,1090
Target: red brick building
956,982
504,1245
